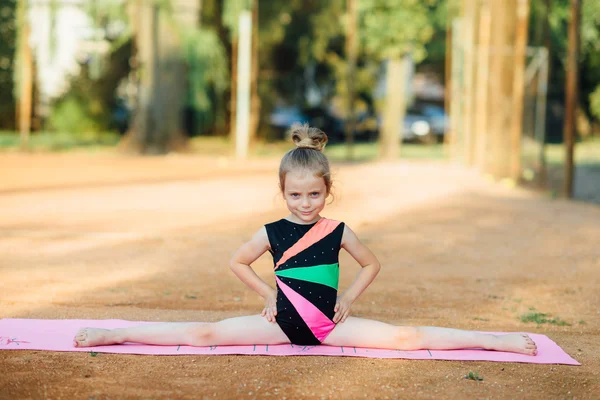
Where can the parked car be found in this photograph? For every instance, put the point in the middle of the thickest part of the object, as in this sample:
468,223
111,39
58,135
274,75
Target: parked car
335,126
283,117
422,122
438,119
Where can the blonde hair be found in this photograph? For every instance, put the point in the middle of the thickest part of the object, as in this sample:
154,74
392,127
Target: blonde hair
308,154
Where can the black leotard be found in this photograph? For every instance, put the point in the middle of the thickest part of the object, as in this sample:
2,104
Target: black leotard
306,272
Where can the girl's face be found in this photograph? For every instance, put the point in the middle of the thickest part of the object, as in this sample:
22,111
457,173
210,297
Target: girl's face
304,195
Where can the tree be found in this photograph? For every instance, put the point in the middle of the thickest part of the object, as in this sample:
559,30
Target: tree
8,49
170,44
589,58
393,30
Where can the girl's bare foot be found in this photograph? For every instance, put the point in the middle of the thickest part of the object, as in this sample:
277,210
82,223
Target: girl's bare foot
90,337
515,343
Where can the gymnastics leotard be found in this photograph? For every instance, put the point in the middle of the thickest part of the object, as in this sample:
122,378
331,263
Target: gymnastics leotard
306,266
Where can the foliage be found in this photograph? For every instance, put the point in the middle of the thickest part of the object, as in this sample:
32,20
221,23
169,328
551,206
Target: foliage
8,46
590,44
595,102
386,28
474,376
207,66
232,11
90,103
75,116
392,28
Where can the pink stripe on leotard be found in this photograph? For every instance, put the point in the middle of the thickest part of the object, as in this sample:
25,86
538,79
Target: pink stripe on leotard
319,324
322,228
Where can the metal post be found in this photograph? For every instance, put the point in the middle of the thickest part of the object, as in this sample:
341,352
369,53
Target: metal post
26,81
540,114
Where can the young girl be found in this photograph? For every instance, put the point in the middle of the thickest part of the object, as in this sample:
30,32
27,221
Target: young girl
305,307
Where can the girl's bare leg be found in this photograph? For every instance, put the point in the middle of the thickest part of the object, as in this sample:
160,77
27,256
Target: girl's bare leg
247,330
359,332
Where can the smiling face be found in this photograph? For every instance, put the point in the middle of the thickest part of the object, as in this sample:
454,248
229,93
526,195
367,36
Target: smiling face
305,196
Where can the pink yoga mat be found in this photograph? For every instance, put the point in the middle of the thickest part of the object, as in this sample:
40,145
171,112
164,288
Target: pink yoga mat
57,335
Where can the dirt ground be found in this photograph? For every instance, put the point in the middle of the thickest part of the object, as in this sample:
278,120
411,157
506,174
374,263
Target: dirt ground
104,236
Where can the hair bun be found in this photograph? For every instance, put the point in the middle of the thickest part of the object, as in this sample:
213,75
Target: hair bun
307,137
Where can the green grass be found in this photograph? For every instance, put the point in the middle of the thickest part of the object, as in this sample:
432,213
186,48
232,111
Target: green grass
370,152
474,376
585,153
335,152
57,142
543,318
212,145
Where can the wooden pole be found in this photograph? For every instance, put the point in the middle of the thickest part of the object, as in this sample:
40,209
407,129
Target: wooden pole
483,75
507,82
518,89
351,55
500,86
470,27
494,86
572,91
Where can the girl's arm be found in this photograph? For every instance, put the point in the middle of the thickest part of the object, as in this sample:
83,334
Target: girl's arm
240,265
370,268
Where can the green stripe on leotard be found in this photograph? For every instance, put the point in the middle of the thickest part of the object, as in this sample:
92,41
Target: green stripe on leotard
323,274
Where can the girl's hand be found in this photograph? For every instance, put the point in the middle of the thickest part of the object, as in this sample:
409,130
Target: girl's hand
342,309
270,310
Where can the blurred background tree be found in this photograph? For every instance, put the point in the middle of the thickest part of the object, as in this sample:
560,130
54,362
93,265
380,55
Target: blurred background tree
8,45
548,27
301,57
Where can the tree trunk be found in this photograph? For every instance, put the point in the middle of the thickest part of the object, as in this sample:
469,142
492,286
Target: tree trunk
233,103
158,122
145,34
518,89
223,34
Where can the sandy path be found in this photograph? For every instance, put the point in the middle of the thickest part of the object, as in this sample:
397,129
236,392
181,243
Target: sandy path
149,239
